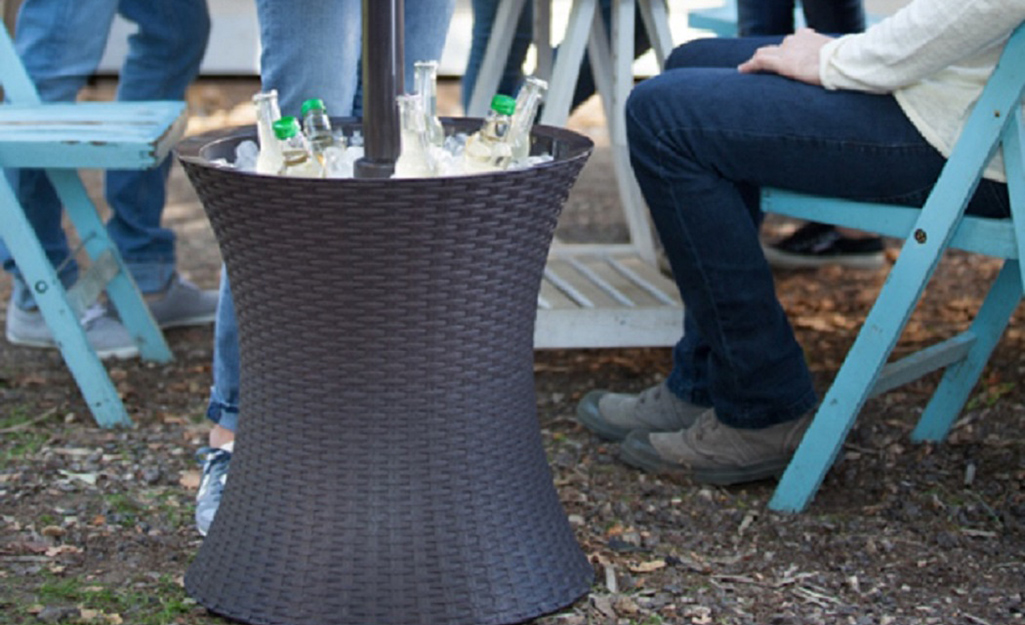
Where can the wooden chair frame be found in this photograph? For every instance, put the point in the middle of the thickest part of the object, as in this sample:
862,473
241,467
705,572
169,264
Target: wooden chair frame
62,137
995,122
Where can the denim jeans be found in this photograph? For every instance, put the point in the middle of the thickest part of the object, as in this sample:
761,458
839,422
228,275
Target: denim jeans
776,17
312,49
512,75
703,139
60,43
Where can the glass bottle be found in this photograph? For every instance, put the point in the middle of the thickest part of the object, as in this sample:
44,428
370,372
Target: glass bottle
414,158
426,85
487,149
317,128
297,158
269,160
527,102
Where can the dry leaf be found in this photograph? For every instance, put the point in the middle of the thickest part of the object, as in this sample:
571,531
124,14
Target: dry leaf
190,479
61,550
648,567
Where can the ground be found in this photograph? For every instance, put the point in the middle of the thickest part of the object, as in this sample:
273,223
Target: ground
96,525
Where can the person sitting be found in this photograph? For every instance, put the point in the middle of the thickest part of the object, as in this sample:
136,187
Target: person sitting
871,117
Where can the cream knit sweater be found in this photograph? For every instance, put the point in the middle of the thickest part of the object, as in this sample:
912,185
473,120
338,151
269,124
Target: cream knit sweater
934,56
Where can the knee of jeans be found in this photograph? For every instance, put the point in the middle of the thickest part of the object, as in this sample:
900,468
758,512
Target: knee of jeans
640,111
691,54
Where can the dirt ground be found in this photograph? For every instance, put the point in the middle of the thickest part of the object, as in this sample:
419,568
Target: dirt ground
96,525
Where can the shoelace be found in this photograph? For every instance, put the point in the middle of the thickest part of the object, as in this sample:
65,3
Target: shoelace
705,425
92,313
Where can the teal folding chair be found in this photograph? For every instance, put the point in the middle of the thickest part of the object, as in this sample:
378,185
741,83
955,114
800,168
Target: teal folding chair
62,138
995,122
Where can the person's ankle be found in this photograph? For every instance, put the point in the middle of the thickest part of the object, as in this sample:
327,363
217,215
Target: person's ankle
221,437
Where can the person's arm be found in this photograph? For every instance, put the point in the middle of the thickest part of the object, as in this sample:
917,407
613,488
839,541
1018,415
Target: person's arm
917,41
920,39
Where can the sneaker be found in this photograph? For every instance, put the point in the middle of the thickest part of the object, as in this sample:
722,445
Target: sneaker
215,474
657,409
816,245
106,335
183,304
711,452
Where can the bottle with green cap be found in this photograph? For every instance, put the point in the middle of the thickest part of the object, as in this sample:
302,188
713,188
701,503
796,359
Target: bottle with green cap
297,159
317,127
487,149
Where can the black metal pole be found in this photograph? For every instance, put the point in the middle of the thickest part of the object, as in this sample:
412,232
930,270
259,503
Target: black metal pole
383,58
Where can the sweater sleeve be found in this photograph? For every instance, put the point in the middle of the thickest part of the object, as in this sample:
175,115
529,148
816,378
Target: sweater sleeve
917,41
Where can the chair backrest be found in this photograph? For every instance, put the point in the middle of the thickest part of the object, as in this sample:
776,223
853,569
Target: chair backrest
18,87
995,123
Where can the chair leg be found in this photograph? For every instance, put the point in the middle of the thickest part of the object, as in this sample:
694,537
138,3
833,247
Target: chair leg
959,379
121,289
559,99
97,389
853,384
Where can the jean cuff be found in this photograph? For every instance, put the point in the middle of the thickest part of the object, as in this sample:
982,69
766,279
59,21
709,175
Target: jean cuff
223,413
688,390
151,277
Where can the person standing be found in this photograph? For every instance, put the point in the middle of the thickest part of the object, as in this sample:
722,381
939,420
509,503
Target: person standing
512,74
310,49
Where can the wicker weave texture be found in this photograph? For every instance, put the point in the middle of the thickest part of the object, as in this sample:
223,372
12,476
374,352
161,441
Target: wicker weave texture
389,466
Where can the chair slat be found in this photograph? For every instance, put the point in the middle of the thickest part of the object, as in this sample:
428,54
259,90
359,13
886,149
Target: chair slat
116,135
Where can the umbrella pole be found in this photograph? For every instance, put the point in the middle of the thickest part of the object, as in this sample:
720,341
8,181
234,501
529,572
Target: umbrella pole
383,79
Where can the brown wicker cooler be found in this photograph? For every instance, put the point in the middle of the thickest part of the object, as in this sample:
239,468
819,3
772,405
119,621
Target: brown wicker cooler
389,466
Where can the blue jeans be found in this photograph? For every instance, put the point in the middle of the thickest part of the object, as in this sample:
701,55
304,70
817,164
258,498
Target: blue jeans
512,75
312,49
703,139
776,17
60,43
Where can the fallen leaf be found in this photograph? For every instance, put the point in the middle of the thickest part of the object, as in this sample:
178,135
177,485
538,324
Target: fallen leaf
604,606
190,479
53,552
27,547
648,567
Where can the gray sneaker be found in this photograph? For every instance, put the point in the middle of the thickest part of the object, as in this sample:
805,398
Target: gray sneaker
711,452
106,335
211,486
183,304
657,409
